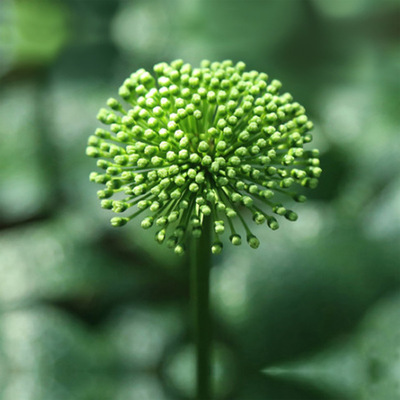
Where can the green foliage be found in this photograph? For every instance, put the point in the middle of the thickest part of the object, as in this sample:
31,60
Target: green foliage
33,32
363,367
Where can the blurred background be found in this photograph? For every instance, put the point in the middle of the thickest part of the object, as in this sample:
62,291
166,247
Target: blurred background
89,312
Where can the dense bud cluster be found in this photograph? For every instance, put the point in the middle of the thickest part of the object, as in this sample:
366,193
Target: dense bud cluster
197,143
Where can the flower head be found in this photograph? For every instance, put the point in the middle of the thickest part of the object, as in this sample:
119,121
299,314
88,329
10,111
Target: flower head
194,143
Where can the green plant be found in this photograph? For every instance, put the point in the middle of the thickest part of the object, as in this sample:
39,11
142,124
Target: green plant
197,149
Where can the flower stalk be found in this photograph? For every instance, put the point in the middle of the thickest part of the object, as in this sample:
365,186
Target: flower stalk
200,267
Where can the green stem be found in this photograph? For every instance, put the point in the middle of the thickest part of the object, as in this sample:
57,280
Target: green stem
200,297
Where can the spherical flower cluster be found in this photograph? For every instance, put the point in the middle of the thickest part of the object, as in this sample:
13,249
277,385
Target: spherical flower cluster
197,143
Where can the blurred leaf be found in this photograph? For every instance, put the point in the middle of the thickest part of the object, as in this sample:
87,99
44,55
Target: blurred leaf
215,30
341,8
44,352
297,293
55,260
33,31
25,188
365,366
139,336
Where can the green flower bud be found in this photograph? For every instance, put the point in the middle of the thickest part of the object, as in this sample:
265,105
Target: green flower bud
179,249
216,248
272,223
253,241
235,239
107,204
147,223
119,221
